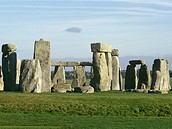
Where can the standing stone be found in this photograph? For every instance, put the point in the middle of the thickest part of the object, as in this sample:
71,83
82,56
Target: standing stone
109,64
17,87
115,70
79,76
31,76
9,62
42,52
1,80
101,80
131,77
59,75
120,80
160,75
144,77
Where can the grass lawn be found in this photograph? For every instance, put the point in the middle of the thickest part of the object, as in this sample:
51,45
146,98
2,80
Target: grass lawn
113,110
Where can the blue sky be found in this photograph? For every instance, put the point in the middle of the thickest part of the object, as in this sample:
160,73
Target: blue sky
135,27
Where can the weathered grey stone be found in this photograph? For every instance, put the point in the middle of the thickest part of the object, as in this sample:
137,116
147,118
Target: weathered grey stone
70,64
131,77
84,89
79,76
144,77
1,80
61,88
42,52
101,47
9,62
101,80
160,75
31,76
115,73
139,90
115,52
7,48
59,75
135,62
120,80
109,64
17,87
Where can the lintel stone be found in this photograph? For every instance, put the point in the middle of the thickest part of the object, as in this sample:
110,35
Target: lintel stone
101,47
135,62
115,52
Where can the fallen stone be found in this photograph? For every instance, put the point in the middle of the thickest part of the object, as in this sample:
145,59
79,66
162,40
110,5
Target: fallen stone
158,91
61,88
84,89
138,90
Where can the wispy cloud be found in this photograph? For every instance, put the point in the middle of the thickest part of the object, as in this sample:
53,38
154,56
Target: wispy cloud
74,30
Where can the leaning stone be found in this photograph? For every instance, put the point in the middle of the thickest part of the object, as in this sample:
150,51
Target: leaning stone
61,88
6,48
31,76
101,47
59,75
42,52
115,52
135,62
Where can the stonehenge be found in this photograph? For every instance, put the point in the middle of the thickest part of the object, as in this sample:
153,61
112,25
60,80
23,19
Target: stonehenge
35,75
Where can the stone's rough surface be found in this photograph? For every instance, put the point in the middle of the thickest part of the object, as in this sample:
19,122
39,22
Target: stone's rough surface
101,47
70,64
115,73
61,88
17,88
59,75
120,79
42,52
139,90
31,76
79,76
6,48
115,52
158,91
84,89
9,62
1,80
101,80
144,77
109,64
131,77
135,62
160,75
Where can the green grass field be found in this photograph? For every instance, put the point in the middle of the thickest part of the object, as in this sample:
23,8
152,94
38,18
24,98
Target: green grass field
110,110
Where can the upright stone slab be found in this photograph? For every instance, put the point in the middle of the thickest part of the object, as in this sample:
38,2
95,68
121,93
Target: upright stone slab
144,77
9,62
131,77
31,76
17,87
1,80
59,75
42,52
79,76
101,66
120,80
160,75
115,70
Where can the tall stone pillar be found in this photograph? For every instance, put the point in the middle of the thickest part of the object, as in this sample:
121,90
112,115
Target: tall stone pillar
59,75
9,62
101,66
144,77
115,70
79,76
42,53
1,80
131,77
160,75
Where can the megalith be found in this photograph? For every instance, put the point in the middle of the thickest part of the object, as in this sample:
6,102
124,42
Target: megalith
9,62
79,76
59,75
116,84
144,78
160,75
31,76
131,79
102,66
1,80
42,53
